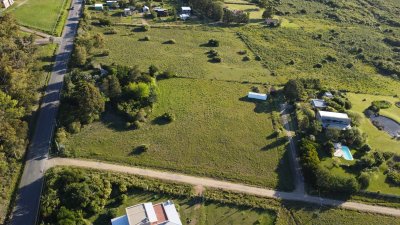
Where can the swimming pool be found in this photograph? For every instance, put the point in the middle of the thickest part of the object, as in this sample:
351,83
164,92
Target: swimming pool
346,153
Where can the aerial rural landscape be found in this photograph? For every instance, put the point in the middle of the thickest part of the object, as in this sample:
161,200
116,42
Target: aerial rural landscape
125,112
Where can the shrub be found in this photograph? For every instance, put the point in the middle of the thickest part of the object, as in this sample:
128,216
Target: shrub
166,75
123,198
112,213
246,58
145,28
146,38
365,148
318,65
242,52
217,59
61,135
153,70
364,180
142,148
170,41
104,22
394,177
382,104
213,43
258,58
168,117
110,30
213,53
74,127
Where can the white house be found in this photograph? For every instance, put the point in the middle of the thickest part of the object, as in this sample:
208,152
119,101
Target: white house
6,3
148,214
254,95
98,6
334,120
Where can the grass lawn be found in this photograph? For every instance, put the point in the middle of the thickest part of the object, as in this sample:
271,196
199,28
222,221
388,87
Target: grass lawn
40,14
217,133
379,140
197,213
188,57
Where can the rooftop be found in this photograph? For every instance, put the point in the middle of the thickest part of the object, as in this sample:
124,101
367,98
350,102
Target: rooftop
318,103
148,214
333,115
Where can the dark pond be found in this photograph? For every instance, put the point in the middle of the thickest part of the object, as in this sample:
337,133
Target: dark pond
386,124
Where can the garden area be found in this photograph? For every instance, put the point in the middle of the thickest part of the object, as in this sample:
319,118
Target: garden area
372,169
215,132
45,15
378,139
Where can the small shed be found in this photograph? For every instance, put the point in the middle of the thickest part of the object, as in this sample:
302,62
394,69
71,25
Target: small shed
98,6
6,3
272,22
112,4
161,12
127,12
186,10
258,96
328,94
146,9
184,16
318,103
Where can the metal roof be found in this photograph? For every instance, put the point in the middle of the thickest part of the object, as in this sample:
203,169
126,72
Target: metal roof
257,96
333,115
318,103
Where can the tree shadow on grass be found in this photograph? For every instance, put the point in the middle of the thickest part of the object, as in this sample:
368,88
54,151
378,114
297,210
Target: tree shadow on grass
260,106
102,219
113,121
160,120
277,143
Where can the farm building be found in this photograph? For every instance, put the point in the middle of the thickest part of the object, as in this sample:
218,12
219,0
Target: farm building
186,10
149,214
161,12
328,94
112,4
318,103
6,3
98,6
254,95
334,120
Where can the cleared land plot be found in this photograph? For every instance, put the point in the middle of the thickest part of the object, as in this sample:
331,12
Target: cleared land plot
254,11
295,50
378,139
196,213
188,57
39,14
217,133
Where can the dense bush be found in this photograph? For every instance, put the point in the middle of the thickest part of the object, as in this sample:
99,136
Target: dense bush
169,117
213,43
329,183
170,41
382,104
294,90
394,177
210,9
235,16
104,22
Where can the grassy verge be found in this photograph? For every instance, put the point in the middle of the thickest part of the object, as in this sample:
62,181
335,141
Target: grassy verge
62,18
217,133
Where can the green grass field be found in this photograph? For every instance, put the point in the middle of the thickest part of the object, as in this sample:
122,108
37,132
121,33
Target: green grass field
197,213
217,133
379,140
188,57
255,11
41,14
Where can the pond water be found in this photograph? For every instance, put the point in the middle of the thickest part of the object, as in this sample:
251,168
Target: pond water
386,124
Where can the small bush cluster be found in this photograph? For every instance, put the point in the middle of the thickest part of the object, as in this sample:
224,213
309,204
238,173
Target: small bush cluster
214,56
213,43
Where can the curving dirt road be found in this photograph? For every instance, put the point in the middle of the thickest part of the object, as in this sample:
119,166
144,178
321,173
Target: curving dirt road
208,182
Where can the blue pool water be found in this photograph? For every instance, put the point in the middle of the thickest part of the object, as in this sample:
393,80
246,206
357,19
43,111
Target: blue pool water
346,153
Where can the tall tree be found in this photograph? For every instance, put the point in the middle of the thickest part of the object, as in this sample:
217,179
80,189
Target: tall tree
90,102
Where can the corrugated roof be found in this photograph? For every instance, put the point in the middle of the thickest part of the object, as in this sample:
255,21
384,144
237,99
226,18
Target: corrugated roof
186,8
172,214
257,96
319,103
333,115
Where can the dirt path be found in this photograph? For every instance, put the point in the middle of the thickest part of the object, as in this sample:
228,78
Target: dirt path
38,33
208,182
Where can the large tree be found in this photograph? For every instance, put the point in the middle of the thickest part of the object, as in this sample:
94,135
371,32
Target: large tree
90,102
294,90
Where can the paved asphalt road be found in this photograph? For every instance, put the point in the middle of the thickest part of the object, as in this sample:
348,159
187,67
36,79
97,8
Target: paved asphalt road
28,196
209,182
